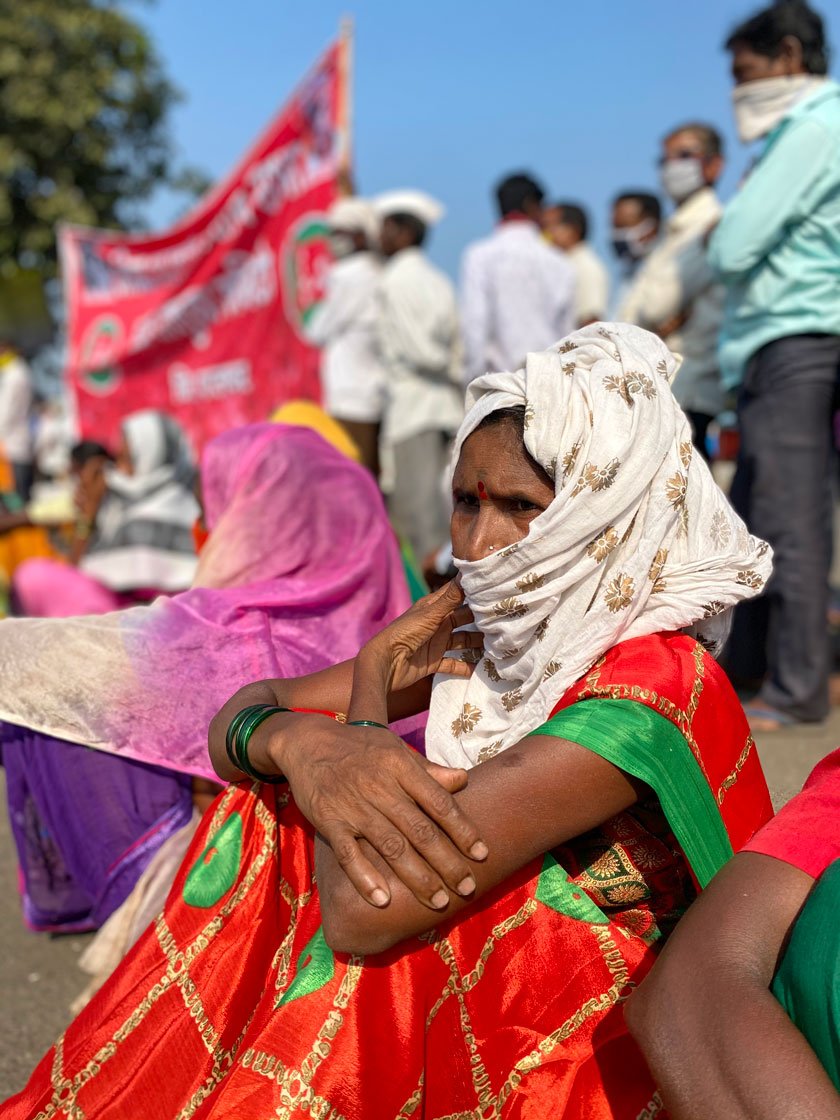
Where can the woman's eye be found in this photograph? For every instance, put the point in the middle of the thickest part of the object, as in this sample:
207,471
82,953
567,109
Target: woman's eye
465,501
521,505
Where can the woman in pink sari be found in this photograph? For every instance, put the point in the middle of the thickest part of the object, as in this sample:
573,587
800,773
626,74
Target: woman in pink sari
299,570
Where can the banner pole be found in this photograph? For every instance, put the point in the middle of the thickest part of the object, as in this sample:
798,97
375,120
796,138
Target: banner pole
345,108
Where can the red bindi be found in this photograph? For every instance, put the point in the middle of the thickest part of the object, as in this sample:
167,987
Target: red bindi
483,496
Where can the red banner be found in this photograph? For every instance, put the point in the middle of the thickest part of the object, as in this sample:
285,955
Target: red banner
205,321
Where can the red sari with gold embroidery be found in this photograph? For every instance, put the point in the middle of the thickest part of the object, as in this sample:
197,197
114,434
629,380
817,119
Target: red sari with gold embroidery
232,1004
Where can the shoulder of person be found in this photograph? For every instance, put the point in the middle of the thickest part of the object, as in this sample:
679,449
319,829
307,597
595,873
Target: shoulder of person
476,251
806,831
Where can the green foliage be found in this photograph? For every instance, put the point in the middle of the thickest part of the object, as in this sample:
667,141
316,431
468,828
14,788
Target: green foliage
83,112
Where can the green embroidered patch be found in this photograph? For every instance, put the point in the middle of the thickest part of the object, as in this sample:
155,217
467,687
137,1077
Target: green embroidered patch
557,891
315,968
214,872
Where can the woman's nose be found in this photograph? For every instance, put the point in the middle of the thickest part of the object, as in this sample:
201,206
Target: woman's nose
486,534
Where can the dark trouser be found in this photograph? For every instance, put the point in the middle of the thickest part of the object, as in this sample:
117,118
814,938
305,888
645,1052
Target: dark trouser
700,422
782,489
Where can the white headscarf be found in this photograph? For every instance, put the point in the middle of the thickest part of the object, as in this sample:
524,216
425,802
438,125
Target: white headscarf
144,525
639,539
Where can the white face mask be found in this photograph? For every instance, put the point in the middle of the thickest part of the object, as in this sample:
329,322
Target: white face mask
627,241
682,178
760,105
341,245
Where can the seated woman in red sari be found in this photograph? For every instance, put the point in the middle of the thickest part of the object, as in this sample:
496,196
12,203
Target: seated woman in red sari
362,932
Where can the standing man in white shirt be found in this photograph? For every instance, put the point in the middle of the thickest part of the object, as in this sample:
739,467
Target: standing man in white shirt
566,225
675,293
517,292
15,407
419,347
344,324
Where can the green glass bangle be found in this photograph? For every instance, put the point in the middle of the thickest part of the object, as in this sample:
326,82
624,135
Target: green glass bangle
243,737
367,723
233,730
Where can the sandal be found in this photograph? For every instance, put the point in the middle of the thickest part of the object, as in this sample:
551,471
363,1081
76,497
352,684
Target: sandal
765,719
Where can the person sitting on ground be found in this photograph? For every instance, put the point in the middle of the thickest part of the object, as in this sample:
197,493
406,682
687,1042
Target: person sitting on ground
566,225
361,931
134,535
754,1034
281,588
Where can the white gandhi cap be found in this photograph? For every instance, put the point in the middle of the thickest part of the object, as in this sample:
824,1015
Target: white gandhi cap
354,214
421,206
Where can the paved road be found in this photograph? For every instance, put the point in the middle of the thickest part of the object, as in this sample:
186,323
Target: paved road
39,975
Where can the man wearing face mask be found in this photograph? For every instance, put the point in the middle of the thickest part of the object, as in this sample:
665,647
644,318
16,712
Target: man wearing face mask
675,292
636,217
777,250
344,324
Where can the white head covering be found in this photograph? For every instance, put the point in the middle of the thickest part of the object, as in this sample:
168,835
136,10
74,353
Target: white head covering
639,539
422,206
144,525
354,214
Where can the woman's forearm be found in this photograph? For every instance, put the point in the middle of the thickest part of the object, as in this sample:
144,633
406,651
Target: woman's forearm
330,691
717,1041
261,692
729,1051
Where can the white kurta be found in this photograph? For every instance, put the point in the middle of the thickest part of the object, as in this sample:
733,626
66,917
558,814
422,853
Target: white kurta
517,296
592,283
419,346
344,325
677,280
15,403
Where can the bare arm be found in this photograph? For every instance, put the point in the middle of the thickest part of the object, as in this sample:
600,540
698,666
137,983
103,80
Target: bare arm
715,1037
409,652
533,796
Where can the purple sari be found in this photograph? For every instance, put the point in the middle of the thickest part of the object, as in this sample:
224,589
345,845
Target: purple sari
300,569
77,867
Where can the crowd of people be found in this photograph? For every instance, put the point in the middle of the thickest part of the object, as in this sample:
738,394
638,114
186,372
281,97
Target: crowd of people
358,849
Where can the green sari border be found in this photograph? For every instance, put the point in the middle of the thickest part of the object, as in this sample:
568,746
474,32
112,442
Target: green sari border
807,983
646,745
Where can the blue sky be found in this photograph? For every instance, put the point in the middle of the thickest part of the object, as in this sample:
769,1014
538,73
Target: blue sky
450,95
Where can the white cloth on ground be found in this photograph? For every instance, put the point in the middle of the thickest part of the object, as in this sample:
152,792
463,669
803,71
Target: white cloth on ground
676,280
419,347
639,539
517,296
344,325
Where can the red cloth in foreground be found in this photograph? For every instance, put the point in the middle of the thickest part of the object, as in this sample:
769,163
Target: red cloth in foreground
806,832
232,1004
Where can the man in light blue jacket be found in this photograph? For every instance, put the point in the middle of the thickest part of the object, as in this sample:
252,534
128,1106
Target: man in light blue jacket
777,250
